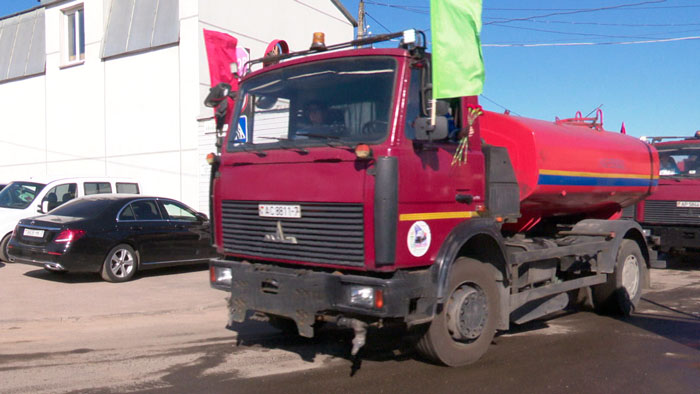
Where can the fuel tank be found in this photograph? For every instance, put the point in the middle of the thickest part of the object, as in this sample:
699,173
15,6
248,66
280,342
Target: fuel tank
571,169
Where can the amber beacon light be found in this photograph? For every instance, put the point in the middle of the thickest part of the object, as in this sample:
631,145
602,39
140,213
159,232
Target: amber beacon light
319,41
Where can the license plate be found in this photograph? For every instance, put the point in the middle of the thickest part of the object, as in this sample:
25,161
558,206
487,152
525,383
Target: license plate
688,204
279,211
28,232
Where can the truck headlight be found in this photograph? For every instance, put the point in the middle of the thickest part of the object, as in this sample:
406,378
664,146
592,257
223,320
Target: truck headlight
220,275
366,296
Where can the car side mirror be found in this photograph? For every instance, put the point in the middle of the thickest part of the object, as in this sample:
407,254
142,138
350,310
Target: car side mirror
426,132
44,207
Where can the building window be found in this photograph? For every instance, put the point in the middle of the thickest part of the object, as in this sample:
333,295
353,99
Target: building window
74,23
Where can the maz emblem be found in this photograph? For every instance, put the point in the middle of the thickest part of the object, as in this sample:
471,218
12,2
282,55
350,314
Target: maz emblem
279,236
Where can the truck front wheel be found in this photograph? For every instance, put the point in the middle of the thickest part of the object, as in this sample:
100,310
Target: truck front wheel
463,329
623,290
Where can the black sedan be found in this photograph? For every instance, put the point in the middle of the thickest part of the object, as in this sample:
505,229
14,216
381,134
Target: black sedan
114,235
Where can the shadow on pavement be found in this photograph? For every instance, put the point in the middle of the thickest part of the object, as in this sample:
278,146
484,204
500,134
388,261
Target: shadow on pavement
70,277
680,326
386,344
689,261
2,264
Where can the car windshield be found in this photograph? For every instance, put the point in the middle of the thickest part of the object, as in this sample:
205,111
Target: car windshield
341,101
19,195
679,161
83,208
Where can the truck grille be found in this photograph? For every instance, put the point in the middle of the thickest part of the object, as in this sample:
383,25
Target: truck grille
325,233
666,212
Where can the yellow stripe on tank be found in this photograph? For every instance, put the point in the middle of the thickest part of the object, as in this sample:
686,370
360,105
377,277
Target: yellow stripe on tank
437,215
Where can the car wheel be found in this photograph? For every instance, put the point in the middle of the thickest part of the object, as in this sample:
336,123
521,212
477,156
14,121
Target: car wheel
462,331
120,264
623,290
3,248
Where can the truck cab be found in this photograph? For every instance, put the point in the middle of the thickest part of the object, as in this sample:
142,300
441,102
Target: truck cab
672,214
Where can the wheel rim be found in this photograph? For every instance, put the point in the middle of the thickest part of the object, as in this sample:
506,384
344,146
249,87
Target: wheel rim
467,312
630,275
122,263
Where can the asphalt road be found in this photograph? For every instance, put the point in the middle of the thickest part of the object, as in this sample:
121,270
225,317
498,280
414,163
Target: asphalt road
164,332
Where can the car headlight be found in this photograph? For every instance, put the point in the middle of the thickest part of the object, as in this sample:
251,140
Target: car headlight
366,296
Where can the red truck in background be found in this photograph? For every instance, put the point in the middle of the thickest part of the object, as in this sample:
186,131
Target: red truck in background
363,218
672,213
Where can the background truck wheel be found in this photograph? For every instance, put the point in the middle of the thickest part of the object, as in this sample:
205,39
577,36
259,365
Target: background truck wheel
3,248
623,290
462,331
120,264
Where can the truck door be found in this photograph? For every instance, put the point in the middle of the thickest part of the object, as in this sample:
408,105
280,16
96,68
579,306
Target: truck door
434,194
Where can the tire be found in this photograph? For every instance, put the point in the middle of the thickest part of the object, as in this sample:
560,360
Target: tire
3,248
620,295
472,288
121,264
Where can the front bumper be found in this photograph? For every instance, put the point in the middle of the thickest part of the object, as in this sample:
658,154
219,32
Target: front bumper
676,237
302,294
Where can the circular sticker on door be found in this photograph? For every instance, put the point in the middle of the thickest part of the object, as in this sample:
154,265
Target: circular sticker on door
418,238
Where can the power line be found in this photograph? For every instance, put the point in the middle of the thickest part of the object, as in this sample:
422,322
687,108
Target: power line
592,43
379,23
611,24
576,12
495,103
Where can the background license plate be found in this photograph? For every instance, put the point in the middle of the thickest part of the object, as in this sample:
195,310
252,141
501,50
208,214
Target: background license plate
28,232
688,204
279,211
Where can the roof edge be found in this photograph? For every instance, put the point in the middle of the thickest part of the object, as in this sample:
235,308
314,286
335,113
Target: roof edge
345,12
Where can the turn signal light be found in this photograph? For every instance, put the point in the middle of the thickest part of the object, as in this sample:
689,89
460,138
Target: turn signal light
212,158
363,151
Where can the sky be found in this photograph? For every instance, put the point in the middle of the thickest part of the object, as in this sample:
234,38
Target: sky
643,68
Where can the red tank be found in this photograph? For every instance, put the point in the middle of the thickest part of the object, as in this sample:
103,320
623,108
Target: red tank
571,166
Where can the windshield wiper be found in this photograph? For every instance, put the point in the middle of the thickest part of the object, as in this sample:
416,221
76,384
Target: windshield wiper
331,140
246,148
284,144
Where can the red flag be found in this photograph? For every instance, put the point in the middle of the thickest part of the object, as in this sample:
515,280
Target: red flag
221,52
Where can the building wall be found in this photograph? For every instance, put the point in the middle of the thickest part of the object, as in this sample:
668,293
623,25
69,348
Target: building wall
140,115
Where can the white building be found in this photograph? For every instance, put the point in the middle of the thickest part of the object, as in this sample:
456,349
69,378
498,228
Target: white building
115,87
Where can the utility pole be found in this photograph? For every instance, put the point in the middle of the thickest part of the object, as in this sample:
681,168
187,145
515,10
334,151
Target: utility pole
361,20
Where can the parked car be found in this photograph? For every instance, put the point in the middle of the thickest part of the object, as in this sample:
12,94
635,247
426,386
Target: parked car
25,198
113,235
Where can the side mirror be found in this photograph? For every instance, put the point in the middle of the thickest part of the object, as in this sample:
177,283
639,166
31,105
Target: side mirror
426,132
44,207
217,94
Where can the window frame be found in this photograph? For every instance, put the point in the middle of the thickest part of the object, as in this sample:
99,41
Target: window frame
77,13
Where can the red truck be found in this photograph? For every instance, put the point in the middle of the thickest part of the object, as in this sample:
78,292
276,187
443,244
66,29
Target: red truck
672,214
364,219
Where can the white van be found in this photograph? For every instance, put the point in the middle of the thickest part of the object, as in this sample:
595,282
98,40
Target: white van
27,198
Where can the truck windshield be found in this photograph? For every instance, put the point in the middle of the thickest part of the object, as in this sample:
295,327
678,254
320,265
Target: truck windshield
679,161
340,101
19,195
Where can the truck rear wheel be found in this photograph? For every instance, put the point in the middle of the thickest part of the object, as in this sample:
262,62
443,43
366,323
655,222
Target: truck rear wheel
462,331
623,290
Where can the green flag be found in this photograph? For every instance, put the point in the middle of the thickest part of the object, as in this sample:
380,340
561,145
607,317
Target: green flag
458,66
